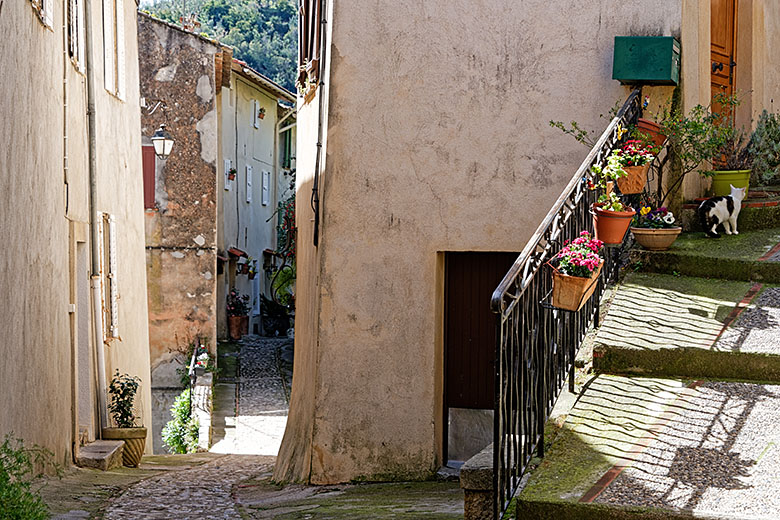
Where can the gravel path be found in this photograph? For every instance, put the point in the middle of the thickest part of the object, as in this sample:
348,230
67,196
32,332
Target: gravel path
719,456
199,492
758,327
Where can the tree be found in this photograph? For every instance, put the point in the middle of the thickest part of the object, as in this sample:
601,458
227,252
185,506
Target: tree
263,33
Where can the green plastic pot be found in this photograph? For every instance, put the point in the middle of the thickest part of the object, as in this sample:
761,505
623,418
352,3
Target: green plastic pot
722,181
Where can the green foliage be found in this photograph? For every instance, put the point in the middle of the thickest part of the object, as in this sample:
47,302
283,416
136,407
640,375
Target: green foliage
282,285
237,303
202,360
123,389
765,146
19,475
264,33
181,432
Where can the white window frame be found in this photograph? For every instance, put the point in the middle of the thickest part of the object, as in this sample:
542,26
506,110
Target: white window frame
114,47
45,11
76,37
256,113
248,183
266,188
228,165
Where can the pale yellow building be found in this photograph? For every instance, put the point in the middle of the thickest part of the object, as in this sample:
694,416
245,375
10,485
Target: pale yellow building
435,141
72,193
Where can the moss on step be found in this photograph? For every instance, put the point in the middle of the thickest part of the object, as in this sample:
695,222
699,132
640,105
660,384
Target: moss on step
750,245
749,218
705,266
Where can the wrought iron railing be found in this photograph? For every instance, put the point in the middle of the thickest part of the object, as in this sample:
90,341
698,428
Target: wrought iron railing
536,343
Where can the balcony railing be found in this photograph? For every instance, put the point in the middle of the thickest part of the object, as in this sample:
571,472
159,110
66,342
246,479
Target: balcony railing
536,343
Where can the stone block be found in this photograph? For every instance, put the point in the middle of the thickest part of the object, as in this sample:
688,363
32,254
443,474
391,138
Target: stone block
476,480
102,455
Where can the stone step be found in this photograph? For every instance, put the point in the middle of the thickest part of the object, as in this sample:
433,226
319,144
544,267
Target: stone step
102,455
645,448
755,214
662,325
751,255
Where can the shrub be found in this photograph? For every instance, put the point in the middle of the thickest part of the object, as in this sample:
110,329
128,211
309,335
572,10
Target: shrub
122,389
765,145
19,497
181,432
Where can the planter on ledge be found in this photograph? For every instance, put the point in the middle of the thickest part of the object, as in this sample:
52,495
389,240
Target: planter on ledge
652,130
656,239
722,180
238,326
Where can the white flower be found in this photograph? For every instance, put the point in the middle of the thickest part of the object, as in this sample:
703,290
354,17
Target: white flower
669,219
203,357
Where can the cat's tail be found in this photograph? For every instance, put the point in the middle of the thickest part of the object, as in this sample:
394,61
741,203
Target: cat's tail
706,223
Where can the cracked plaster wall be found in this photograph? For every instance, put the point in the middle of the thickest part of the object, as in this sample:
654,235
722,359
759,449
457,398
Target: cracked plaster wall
178,68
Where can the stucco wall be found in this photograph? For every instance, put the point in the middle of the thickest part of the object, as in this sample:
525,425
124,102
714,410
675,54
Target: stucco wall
44,188
437,140
178,69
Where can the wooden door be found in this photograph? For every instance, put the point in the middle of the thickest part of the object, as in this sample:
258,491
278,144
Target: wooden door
470,327
723,27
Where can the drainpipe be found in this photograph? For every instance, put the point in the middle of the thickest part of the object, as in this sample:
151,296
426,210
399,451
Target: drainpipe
97,297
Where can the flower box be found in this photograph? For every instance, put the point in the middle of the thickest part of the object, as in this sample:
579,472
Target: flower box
572,292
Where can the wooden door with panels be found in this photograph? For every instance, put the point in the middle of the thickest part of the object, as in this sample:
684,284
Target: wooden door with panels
723,37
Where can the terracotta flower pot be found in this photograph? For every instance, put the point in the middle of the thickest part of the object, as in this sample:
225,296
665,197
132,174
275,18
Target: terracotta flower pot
656,239
238,326
243,268
722,181
231,176
652,130
135,440
611,226
572,292
635,181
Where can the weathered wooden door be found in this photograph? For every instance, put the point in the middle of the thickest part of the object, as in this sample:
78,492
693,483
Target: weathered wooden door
470,326
723,28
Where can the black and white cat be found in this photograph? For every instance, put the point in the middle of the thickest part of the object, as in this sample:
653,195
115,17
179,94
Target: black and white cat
721,210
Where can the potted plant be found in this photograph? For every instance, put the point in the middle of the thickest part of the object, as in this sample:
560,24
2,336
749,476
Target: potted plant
238,314
649,130
261,113
122,390
576,270
655,229
735,163
611,217
252,268
634,158
232,174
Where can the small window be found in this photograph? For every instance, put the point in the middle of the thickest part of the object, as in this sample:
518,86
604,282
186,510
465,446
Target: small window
309,28
266,188
248,183
76,32
114,46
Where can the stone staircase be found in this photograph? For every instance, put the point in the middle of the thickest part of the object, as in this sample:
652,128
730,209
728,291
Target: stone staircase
681,417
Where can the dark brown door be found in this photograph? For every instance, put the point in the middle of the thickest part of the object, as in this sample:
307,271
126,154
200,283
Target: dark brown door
723,17
470,326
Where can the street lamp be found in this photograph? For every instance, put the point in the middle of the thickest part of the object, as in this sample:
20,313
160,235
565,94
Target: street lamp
163,142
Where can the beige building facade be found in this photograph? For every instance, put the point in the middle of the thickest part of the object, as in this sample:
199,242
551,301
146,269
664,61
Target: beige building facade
434,126
65,313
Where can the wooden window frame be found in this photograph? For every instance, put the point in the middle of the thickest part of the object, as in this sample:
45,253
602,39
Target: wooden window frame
43,8
309,38
114,47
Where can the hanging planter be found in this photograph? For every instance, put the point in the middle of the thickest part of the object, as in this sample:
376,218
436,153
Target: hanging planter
635,180
611,226
652,130
576,270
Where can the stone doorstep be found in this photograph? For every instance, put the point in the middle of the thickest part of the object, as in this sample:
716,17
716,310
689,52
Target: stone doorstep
476,480
102,455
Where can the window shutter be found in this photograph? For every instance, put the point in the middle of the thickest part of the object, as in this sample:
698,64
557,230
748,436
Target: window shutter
120,49
248,183
48,12
228,182
101,265
112,276
266,188
150,169
108,45
80,34
255,113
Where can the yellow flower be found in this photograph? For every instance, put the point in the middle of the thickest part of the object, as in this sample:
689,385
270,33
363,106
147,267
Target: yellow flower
621,131
645,210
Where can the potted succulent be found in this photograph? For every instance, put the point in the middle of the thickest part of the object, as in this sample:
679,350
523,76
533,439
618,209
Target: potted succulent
122,389
655,229
238,314
576,270
611,217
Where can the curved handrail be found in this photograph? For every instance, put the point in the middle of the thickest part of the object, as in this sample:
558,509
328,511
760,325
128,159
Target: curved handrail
574,187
